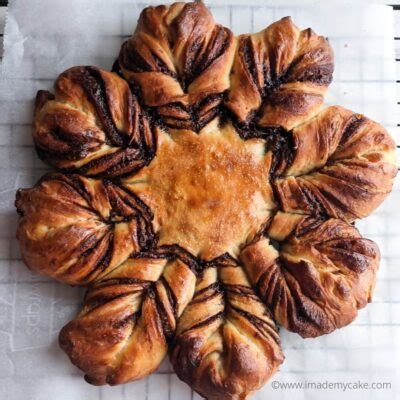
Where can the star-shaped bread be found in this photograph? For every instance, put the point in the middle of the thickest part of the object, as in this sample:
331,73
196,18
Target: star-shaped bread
205,196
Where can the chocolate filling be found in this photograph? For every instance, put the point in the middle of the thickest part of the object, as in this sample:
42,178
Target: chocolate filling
92,82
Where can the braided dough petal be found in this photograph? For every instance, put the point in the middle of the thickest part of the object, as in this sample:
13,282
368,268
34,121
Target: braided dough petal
180,59
226,344
324,272
92,125
343,166
279,76
77,229
127,319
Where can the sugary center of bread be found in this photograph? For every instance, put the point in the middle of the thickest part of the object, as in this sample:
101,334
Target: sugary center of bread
209,191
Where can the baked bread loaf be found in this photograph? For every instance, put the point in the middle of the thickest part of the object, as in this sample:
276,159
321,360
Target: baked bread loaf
203,198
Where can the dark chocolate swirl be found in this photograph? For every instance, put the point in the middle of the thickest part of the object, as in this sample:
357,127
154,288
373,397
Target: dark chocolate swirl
322,274
341,165
92,125
77,229
180,61
226,343
127,320
279,76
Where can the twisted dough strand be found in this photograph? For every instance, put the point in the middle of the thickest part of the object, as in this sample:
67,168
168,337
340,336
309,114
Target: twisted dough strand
77,229
180,60
92,125
122,333
226,343
279,76
341,165
323,273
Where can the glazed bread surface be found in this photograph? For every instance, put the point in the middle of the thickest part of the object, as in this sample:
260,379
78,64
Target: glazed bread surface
204,196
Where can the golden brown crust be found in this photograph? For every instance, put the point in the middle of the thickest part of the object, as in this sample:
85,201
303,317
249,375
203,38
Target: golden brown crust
226,344
92,125
342,165
180,59
76,229
323,273
209,191
279,76
122,332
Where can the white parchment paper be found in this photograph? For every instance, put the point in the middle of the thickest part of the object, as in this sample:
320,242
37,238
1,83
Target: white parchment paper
45,37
